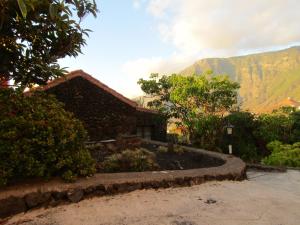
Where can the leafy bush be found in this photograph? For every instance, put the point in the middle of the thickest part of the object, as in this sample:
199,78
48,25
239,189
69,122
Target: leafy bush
275,126
207,131
162,149
283,154
130,160
178,149
242,138
251,133
296,126
38,138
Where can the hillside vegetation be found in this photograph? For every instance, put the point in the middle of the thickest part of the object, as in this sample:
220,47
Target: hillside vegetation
265,78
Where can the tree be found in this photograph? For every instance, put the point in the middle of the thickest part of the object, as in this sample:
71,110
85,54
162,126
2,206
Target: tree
194,100
34,34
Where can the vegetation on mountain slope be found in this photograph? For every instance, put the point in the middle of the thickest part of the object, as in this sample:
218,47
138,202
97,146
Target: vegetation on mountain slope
265,78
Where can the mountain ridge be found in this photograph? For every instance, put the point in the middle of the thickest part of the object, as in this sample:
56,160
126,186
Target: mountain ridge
265,78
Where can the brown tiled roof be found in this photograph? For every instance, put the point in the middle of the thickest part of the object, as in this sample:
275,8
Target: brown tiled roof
289,102
81,73
285,102
141,109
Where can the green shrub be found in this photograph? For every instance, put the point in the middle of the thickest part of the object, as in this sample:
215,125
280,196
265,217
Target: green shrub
38,138
274,126
251,133
242,138
283,154
207,131
129,161
178,149
296,126
162,149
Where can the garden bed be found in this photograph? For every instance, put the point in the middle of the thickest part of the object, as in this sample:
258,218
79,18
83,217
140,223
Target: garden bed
149,156
181,159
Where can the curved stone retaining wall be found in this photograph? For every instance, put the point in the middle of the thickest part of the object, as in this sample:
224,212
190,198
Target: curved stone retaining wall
20,198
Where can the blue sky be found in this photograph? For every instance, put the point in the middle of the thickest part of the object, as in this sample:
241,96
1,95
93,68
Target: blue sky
121,33
132,38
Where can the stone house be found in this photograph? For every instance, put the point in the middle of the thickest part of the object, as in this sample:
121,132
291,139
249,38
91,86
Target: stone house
106,114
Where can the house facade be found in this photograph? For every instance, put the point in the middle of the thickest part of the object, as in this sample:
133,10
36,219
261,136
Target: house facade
105,113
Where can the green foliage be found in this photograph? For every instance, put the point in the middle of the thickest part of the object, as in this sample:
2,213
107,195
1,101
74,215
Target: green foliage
130,161
283,154
295,116
207,131
179,96
267,75
162,149
251,133
34,34
38,138
274,126
197,101
242,138
176,149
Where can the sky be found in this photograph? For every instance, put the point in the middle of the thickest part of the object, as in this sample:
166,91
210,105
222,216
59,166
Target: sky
133,38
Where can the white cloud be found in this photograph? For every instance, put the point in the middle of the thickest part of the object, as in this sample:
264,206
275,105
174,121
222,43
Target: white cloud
216,28
228,26
143,67
158,7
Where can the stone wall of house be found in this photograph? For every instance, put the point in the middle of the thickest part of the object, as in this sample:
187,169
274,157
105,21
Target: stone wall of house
104,116
157,123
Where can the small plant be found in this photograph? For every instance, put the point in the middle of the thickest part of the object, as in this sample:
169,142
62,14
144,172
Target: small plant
283,154
178,149
162,149
129,161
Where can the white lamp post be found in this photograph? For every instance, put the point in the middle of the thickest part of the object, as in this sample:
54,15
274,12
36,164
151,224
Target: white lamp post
229,129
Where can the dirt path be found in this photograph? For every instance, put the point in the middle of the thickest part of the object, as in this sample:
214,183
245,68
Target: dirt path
266,199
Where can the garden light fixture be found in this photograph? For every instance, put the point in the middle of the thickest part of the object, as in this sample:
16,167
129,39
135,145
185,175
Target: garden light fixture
229,129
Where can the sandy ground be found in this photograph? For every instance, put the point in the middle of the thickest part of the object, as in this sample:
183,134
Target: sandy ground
265,199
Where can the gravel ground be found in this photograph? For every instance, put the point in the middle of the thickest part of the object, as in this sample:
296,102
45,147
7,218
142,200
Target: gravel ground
264,199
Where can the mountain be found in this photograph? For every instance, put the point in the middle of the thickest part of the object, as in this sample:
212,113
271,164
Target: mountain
265,78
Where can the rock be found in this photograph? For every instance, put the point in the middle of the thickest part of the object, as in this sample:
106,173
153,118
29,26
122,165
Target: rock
127,187
210,201
54,203
90,190
57,195
36,198
11,206
177,165
122,188
175,222
75,195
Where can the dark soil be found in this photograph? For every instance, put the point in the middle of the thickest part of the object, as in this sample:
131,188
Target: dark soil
184,160
166,160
